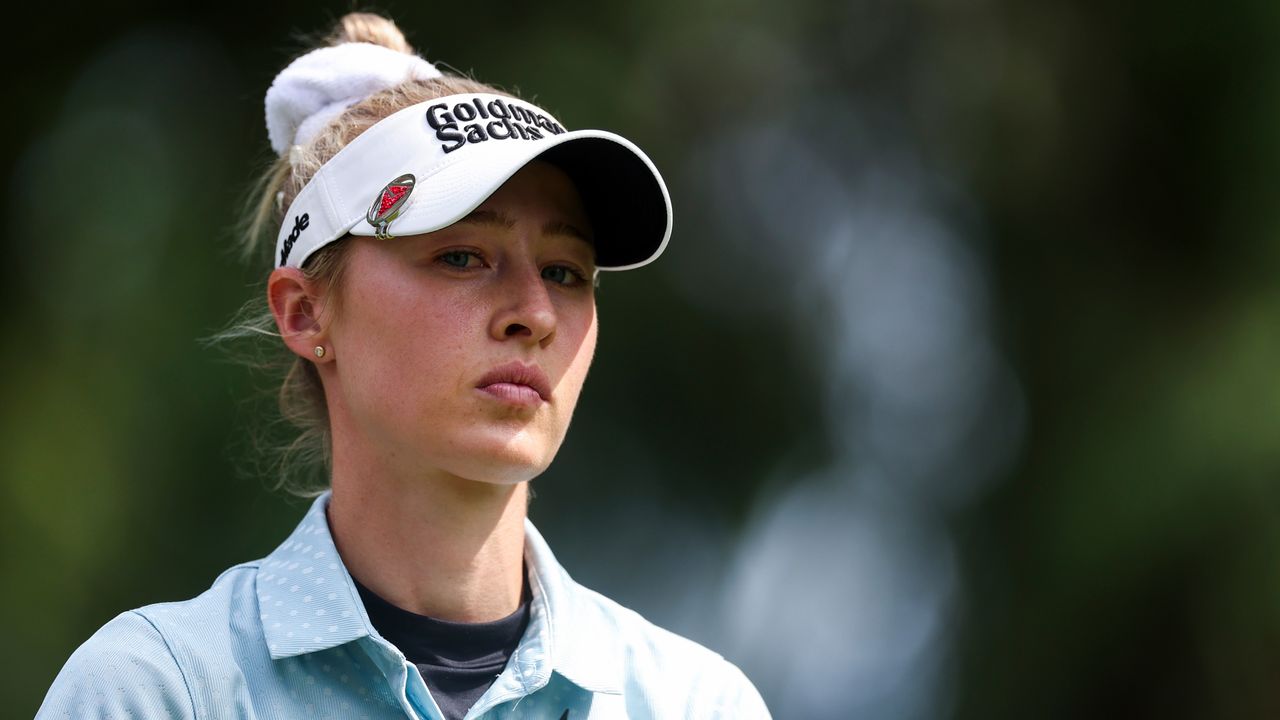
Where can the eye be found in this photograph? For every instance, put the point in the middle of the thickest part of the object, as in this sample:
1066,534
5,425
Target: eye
460,259
562,275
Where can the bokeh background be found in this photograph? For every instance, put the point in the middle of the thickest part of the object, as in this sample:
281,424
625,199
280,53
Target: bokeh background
956,394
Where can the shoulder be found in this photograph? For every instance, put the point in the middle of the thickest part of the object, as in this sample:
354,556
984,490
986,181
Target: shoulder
663,668
126,668
140,662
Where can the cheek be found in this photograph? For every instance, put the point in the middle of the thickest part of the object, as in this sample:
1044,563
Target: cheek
397,336
584,347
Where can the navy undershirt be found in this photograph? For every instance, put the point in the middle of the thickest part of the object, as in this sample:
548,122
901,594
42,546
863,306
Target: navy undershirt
458,661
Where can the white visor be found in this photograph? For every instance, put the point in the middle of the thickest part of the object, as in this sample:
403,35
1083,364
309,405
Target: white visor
429,165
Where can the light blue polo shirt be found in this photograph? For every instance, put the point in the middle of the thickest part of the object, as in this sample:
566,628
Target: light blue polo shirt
287,637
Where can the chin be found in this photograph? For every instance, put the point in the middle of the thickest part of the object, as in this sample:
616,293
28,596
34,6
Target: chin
496,472
504,462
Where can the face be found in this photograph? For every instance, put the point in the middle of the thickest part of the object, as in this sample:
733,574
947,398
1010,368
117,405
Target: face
464,350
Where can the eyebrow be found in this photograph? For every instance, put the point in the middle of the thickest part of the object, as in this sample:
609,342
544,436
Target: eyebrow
559,227
489,217
551,227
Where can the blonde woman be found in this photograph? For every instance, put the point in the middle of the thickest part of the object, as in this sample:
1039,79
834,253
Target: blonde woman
436,245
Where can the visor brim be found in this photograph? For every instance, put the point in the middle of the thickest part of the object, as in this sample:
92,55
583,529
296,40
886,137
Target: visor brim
621,190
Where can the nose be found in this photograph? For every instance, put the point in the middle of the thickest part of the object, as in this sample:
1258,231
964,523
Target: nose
525,309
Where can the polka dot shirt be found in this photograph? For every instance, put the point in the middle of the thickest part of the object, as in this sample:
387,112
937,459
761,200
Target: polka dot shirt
288,637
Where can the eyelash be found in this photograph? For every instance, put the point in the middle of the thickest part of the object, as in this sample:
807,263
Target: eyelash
578,277
469,253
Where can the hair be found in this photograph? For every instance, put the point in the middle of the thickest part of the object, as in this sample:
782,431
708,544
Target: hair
300,395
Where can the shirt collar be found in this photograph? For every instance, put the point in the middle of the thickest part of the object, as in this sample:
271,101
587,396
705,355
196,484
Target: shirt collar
581,639
309,603
305,596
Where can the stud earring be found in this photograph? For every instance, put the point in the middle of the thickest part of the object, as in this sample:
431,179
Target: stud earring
319,351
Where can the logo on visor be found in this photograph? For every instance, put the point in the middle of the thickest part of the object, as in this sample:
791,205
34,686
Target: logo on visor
389,204
477,122
300,223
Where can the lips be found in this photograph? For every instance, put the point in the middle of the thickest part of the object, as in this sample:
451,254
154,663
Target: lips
517,383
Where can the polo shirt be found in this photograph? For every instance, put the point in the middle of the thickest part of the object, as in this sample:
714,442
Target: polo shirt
288,637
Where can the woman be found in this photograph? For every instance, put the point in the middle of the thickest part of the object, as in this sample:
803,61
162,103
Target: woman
434,272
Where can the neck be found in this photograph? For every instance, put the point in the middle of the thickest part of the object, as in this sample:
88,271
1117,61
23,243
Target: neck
433,544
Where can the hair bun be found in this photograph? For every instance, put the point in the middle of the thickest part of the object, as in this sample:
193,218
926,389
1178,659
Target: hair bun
369,28
318,86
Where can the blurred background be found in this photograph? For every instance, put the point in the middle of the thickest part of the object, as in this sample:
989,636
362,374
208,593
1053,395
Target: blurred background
954,396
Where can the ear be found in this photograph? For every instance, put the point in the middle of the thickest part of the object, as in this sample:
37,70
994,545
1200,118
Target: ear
296,306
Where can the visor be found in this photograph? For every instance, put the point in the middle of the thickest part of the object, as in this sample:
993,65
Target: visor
429,165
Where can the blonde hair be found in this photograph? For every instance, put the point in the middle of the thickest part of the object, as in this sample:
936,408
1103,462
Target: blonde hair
300,395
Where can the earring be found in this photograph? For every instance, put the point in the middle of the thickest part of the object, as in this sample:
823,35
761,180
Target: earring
319,351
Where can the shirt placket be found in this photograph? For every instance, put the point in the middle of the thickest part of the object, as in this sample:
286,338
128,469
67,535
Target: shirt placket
405,681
